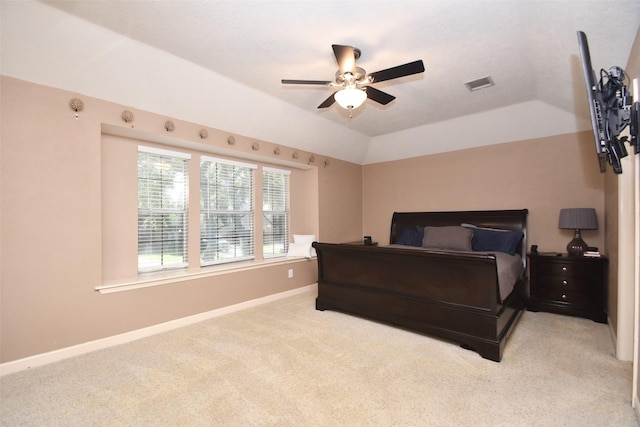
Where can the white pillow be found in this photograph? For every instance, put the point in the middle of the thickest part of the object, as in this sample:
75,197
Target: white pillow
300,249
306,238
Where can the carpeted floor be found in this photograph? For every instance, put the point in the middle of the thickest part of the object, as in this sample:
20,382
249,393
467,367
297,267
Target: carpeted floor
286,364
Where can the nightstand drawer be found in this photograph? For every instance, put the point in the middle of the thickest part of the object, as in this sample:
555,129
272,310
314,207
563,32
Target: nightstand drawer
566,296
569,269
567,282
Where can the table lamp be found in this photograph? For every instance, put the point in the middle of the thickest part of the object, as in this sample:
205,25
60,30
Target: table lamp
578,219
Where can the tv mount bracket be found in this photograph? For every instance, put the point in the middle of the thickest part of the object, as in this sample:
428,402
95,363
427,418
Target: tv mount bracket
619,112
612,109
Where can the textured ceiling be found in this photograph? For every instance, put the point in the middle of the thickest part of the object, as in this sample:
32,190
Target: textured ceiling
220,63
529,48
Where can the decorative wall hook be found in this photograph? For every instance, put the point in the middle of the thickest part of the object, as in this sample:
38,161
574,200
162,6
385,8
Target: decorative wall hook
76,105
276,151
127,116
312,159
203,133
255,146
326,162
295,155
231,140
169,126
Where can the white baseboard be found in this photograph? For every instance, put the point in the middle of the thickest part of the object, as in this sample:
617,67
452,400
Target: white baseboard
77,350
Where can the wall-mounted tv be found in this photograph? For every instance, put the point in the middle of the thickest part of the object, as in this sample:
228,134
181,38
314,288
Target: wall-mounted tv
611,108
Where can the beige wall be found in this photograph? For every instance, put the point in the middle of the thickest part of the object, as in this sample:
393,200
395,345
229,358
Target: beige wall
52,228
52,212
340,194
542,175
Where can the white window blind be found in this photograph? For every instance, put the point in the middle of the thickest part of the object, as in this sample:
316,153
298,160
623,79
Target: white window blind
226,211
162,209
275,223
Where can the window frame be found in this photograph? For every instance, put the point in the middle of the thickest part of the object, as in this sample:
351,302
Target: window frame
286,203
244,214
177,158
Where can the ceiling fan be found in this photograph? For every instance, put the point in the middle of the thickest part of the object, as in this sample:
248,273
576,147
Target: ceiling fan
354,81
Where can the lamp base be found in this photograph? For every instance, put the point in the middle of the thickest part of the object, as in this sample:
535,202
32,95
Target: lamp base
577,246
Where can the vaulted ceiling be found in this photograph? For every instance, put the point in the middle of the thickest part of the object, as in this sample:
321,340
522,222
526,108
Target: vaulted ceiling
528,47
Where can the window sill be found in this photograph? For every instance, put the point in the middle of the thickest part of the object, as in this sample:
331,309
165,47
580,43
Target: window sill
146,280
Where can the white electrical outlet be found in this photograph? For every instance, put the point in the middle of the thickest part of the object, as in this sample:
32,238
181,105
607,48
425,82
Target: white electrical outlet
290,273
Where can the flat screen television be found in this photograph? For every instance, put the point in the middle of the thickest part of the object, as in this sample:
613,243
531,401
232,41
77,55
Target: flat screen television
611,108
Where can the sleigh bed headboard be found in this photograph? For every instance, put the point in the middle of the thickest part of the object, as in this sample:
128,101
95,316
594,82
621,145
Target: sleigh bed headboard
514,220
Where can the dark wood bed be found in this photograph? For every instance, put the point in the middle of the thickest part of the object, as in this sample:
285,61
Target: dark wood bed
451,295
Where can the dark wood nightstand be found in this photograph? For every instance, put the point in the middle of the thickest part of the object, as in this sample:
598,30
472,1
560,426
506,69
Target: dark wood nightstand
576,286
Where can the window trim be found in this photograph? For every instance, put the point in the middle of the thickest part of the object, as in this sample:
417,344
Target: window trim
171,277
138,137
253,168
185,212
163,152
276,170
287,174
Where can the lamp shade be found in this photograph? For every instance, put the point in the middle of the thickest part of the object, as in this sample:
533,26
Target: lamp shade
578,219
350,98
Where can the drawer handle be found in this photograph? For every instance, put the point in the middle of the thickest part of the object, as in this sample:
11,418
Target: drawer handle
564,296
564,268
564,282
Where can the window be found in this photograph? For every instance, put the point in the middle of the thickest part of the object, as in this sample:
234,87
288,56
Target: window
226,211
275,210
172,209
162,209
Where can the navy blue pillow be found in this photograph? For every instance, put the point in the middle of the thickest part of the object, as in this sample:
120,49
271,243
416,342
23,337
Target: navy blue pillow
485,240
411,237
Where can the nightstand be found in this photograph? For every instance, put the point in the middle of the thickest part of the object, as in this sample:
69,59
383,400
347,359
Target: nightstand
572,285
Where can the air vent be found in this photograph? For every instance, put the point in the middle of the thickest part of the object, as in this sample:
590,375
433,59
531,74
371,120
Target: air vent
480,83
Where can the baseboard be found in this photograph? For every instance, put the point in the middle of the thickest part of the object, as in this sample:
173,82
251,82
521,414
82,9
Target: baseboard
77,350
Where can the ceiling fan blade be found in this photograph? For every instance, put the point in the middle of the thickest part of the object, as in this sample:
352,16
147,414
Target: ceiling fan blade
414,67
346,58
328,102
379,96
306,82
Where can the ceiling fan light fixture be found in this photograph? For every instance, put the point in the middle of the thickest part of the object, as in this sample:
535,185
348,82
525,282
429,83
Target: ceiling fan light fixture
353,82
350,98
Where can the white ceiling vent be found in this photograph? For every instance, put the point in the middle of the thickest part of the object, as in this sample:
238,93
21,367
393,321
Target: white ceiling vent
480,83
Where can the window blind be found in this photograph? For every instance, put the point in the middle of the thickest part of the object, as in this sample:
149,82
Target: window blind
275,200
226,211
162,209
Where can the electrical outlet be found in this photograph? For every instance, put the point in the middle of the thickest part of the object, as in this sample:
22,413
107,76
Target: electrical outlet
290,273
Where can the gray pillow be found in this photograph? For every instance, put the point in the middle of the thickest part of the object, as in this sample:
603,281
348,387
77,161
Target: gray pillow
454,238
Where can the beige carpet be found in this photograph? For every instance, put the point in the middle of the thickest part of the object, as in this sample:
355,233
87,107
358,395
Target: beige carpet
286,364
